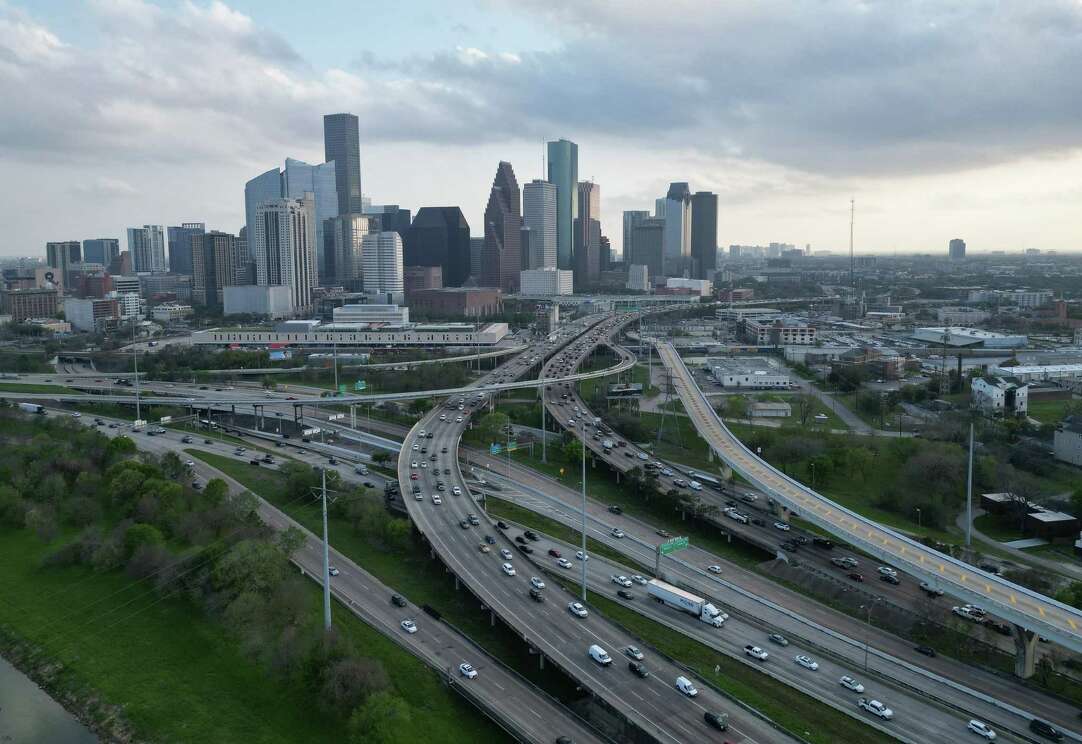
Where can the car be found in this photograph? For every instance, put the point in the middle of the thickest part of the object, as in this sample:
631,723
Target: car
628,453
823,542
625,594
620,580
756,653
640,580
926,650
982,729
531,535
526,549
719,721
414,476
490,539
508,569
467,670
563,563
806,662
851,684
113,426
520,539
185,439
398,600
600,655
617,533
409,626
714,569
616,509
930,590
333,571
536,583
554,552
845,562
472,519
483,548
890,579
1046,730
581,556
685,686
781,526
778,638
505,554
633,652
680,483
666,472
576,609
456,490
501,525
855,576
464,524
695,485
643,456
876,708
638,669
886,571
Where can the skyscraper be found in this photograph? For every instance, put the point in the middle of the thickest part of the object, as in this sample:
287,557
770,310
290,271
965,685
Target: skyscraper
647,245
263,188
381,256
440,236
389,217
147,247
101,250
180,247
704,234
631,219
605,254
345,234
477,250
677,229
63,255
587,231
342,145
957,249
299,179
501,258
539,215
214,266
283,247
563,167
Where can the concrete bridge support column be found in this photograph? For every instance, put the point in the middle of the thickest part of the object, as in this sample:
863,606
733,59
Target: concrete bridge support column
492,618
456,583
540,661
1025,646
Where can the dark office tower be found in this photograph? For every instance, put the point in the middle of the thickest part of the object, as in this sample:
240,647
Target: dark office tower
605,253
477,250
213,266
704,234
342,144
587,236
391,218
647,246
62,255
180,246
957,249
563,173
501,258
101,250
631,218
439,236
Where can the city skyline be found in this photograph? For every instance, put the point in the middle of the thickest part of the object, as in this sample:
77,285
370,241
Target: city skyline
917,180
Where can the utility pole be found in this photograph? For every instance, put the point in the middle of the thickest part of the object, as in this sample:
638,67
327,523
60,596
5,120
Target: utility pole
969,489
135,363
585,555
334,350
326,561
544,434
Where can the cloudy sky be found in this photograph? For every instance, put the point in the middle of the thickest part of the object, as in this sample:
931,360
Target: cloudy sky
940,118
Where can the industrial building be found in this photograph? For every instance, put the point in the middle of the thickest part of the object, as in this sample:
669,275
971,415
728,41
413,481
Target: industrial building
359,334
1040,372
756,373
1067,442
995,395
968,337
778,332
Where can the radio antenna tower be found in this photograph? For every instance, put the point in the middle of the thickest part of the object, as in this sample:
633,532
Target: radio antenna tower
852,214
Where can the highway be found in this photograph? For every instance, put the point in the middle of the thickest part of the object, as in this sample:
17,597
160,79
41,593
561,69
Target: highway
514,703
1028,609
653,705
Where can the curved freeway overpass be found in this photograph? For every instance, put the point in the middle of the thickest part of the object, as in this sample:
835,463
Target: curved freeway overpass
1033,614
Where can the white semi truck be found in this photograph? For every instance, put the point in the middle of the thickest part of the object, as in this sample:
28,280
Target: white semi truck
675,597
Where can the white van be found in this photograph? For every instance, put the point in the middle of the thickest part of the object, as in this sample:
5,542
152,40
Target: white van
600,655
361,470
684,685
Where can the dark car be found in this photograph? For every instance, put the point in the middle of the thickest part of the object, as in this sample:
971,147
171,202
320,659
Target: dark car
554,552
531,535
855,576
616,509
625,594
822,542
520,539
926,650
253,462
501,525
1046,730
890,579
398,601
638,669
490,539
524,549
536,595
719,721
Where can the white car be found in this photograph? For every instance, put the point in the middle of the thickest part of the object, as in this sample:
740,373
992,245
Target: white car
617,533
806,662
981,729
756,653
640,580
684,685
620,581
505,554
409,626
667,472
76,414
643,456
458,419
508,569
576,609
467,671
781,526
714,569
695,485
333,571
581,556
424,465
418,497
634,653
887,571
413,465
456,491
536,583
416,447
851,684
563,563
876,708
436,499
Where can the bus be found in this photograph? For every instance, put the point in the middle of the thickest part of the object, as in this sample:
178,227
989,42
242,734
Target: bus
707,480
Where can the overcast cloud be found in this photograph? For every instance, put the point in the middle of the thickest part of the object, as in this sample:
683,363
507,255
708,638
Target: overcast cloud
784,108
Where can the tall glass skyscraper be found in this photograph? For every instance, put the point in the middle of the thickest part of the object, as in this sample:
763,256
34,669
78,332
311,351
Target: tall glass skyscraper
440,236
704,234
677,228
342,146
299,179
563,167
502,256
146,245
539,215
181,259
263,188
101,250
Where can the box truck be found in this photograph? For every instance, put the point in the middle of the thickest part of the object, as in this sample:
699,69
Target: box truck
679,599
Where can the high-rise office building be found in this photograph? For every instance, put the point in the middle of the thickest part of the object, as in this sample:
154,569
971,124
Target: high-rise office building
101,250
677,229
342,145
63,255
389,217
524,238
345,234
440,236
704,234
501,259
957,249
283,247
563,167
539,215
299,179
263,188
631,218
180,246
381,256
213,266
588,236
147,247
477,250
605,253
648,245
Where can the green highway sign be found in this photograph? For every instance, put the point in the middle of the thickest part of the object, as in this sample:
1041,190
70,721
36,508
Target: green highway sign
673,545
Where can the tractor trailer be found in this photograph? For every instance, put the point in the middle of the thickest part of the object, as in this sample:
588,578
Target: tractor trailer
32,408
679,599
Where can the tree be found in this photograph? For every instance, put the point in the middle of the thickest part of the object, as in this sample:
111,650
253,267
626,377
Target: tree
290,541
493,427
1076,502
736,406
349,681
216,491
383,719
139,535
172,465
803,407
381,458
572,451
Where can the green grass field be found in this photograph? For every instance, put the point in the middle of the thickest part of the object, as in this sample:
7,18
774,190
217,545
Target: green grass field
17,387
179,675
1050,411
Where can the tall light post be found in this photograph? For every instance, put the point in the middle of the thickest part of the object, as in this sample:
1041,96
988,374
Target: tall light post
918,517
326,560
544,435
585,555
867,633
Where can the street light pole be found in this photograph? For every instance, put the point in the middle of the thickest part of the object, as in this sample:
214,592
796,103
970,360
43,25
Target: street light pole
326,561
918,517
867,634
585,555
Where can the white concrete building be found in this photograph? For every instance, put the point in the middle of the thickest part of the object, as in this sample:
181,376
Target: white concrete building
546,282
757,373
283,247
539,215
381,257
360,334
778,332
1040,372
170,311
999,395
961,316
372,314
958,337
638,277
703,287
129,305
274,301
1067,442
